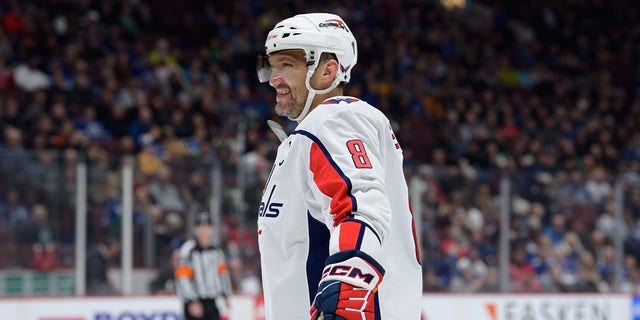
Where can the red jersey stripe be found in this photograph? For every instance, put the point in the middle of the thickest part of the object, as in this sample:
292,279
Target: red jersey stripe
350,232
331,183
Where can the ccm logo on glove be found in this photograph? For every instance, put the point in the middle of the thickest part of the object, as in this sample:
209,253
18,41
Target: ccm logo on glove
348,271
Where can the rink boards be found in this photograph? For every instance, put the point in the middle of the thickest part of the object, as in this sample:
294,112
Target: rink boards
249,307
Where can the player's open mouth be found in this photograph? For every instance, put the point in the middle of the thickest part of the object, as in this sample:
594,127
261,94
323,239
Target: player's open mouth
281,95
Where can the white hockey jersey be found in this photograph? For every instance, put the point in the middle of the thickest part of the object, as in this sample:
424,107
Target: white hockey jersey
342,163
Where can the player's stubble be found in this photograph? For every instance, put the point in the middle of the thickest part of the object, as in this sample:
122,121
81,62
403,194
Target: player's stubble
291,107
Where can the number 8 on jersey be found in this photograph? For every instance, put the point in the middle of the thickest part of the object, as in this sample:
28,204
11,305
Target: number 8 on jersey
359,154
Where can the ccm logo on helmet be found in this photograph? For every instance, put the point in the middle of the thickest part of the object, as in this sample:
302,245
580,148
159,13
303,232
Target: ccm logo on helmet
349,271
332,23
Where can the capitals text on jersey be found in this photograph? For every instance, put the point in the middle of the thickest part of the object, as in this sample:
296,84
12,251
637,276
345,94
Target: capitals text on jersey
270,209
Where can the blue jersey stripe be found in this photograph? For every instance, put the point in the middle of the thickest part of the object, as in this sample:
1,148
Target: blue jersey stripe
362,230
318,252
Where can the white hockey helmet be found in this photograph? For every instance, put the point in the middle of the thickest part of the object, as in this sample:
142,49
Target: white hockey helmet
314,33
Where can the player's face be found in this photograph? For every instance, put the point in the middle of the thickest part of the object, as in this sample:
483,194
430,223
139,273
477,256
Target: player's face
288,76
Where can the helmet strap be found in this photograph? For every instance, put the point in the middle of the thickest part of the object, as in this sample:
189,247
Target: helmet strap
313,92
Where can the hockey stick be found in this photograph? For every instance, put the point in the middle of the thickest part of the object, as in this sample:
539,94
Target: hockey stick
277,129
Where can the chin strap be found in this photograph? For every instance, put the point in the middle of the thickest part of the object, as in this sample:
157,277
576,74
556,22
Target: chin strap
312,93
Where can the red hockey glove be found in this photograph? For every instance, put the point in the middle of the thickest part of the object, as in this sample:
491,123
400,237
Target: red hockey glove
348,288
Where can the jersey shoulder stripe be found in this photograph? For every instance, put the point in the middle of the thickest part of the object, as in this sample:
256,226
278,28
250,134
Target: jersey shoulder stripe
330,179
341,99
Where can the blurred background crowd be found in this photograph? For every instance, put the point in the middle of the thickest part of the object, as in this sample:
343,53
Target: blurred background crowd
546,93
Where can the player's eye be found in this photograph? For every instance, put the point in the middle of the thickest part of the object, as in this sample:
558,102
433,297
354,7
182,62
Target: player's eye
281,68
267,70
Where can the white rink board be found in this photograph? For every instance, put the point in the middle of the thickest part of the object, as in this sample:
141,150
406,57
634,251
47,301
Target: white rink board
111,308
108,308
247,307
527,307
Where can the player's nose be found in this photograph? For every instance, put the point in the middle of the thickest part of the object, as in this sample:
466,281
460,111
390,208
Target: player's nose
276,80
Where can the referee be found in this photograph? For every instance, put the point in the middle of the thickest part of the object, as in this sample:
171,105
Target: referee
201,275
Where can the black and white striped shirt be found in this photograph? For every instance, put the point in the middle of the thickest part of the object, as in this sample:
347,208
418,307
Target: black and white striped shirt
201,273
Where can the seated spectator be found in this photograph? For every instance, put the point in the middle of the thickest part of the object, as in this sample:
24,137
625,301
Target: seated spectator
39,229
90,126
99,260
164,192
13,212
556,231
197,192
522,275
175,147
37,238
29,77
632,283
598,185
586,278
471,273
169,233
606,222
112,219
606,266
164,281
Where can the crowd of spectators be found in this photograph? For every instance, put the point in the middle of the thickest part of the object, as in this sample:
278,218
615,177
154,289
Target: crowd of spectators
547,94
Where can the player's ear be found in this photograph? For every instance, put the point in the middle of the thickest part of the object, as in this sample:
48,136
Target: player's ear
330,71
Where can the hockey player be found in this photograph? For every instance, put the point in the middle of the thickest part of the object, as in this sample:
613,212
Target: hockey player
335,229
